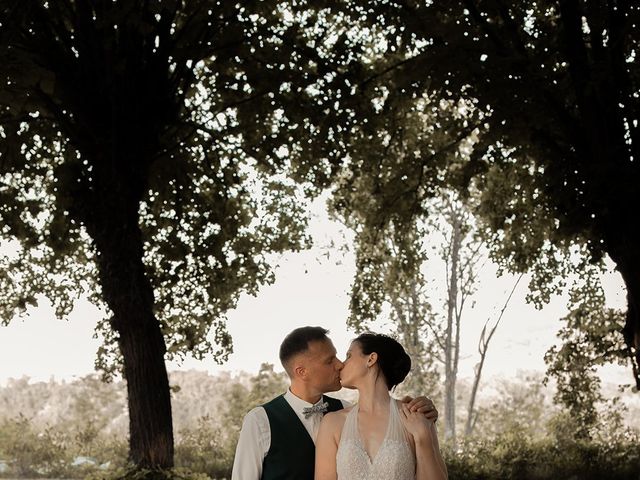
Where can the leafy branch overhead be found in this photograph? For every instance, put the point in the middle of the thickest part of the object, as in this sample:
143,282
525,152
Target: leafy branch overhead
551,94
195,116
148,157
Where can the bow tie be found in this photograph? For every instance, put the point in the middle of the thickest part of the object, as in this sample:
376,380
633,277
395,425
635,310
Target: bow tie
319,408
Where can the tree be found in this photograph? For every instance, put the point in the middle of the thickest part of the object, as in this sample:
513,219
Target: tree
520,408
144,159
392,192
393,273
394,189
558,81
589,339
412,315
462,256
556,153
483,349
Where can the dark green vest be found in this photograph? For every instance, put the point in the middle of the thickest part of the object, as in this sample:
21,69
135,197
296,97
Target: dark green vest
292,454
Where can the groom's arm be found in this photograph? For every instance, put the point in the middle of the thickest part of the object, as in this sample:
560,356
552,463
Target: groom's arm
253,445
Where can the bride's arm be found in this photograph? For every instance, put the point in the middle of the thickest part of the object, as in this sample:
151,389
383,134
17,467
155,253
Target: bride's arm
429,462
327,448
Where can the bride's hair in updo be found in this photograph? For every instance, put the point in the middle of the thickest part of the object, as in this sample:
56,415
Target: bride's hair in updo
393,361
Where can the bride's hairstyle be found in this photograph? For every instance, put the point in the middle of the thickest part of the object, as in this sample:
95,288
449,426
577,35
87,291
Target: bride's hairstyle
393,361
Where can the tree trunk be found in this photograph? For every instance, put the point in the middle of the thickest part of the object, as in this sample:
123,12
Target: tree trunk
128,293
483,348
626,256
451,366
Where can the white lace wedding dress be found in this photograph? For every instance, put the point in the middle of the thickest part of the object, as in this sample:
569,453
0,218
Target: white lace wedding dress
395,460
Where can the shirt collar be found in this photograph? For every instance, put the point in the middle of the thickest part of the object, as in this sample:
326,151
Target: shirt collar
297,403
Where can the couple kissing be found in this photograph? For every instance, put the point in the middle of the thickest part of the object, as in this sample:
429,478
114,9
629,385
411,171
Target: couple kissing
305,434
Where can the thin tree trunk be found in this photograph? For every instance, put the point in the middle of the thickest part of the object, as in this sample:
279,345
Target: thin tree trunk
450,356
483,348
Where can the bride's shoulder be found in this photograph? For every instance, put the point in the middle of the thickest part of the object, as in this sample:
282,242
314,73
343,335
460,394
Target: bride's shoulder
345,411
336,418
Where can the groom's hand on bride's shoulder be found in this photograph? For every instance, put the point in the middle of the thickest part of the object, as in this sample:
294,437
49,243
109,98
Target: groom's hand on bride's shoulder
422,405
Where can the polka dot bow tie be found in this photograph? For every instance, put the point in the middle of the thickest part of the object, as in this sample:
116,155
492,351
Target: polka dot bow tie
319,408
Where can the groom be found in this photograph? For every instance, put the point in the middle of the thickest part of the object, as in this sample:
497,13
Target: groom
277,440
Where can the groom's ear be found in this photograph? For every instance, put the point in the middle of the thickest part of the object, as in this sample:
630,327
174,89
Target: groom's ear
300,372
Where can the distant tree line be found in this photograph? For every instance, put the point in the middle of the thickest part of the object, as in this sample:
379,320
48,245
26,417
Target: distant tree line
72,429
78,429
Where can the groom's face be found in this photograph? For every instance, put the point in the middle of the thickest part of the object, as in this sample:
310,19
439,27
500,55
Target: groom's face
323,367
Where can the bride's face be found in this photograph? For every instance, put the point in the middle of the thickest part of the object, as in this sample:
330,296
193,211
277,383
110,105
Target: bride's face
354,366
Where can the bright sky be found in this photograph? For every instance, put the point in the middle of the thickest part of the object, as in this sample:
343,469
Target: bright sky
309,290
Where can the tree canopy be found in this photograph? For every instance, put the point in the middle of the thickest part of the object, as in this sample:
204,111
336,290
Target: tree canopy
550,95
151,153
148,151
209,105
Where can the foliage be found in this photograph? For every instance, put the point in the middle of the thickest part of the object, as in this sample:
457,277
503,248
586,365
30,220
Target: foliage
129,473
590,338
518,406
398,162
515,455
550,91
63,430
406,149
485,49
32,453
205,448
509,454
391,275
214,199
210,446
266,385
148,156
518,433
84,406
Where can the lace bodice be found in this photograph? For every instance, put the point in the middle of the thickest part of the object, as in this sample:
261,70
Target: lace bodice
395,459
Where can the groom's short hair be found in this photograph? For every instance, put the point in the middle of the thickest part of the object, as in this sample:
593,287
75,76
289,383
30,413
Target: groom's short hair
298,342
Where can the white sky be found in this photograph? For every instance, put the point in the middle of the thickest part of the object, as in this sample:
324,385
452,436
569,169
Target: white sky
309,290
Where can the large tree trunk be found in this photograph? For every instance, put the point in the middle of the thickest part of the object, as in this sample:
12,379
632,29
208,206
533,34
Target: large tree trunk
626,256
128,292
606,148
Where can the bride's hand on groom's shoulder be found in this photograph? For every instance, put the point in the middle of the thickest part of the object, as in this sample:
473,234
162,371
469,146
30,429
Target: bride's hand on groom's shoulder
422,405
416,424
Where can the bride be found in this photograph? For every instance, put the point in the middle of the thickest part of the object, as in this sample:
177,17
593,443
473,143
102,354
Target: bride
379,438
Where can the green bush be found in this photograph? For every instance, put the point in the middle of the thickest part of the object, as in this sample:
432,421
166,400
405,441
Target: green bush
510,456
205,449
516,440
32,453
130,473
47,452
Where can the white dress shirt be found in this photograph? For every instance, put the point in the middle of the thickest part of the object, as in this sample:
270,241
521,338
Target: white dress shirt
255,437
